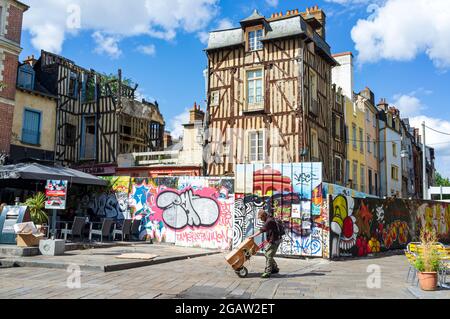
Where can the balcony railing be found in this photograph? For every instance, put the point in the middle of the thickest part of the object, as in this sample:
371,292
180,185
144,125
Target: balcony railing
157,158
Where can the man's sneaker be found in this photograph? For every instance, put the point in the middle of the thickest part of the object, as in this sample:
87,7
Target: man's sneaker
265,275
275,271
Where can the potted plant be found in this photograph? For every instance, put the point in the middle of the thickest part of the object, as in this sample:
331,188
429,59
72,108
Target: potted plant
428,261
36,206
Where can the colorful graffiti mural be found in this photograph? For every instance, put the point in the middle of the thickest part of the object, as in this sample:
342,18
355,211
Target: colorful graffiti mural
289,192
364,226
192,212
112,203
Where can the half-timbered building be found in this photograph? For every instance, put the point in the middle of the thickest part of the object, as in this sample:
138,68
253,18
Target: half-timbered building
97,117
337,138
269,93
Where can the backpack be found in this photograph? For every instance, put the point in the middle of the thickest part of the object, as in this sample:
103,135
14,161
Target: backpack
281,229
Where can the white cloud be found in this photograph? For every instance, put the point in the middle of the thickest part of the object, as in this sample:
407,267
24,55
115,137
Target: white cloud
439,142
147,49
400,30
272,3
176,124
223,24
108,45
409,104
50,22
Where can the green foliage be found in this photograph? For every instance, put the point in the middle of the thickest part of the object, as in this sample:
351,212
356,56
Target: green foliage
442,181
111,79
36,205
429,259
109,188
432,265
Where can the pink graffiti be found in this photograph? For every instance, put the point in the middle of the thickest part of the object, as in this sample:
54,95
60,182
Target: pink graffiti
219,237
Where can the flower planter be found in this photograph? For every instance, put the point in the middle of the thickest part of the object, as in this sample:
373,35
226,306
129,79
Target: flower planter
428,281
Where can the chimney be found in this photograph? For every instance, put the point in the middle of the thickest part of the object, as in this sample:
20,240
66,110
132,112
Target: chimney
196,114
30,60
383,105
320,16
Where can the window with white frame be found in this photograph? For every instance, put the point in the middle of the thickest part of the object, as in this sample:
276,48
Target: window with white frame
215,98
355,174
314,144
394,173
255,88
254,40
394,149
256,146
337,126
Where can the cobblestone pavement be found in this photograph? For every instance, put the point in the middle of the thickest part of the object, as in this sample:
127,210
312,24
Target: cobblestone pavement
211,277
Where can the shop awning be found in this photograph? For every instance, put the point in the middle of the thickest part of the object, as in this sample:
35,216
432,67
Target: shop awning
36,171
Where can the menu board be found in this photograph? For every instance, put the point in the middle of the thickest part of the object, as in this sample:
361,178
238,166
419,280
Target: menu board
56,193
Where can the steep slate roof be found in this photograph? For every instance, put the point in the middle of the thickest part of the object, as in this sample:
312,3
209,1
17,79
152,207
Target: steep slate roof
277,29
254,17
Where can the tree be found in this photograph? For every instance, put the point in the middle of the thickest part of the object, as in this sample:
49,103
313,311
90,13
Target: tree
442,181
104,78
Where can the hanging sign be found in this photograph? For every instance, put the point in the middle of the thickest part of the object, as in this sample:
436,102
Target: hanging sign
56,193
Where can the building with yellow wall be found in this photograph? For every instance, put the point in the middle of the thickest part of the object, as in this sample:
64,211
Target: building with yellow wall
34,120
366,100
355,168
356,147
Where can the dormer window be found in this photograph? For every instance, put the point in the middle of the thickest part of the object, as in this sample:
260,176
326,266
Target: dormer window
25,77
254,40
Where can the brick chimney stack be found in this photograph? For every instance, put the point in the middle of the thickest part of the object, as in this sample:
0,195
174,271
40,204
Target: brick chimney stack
320,16
30,60
196,114
383,105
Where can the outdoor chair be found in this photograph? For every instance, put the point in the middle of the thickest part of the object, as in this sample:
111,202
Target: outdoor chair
135,229
414,250
77,228
125,231
105,230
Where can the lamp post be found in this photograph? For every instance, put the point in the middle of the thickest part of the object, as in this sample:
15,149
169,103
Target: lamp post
424,163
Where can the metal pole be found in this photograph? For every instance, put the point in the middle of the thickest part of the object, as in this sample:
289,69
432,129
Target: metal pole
54,225
424,163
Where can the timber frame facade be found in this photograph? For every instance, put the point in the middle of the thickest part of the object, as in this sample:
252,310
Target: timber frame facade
296,97
338,137
97,118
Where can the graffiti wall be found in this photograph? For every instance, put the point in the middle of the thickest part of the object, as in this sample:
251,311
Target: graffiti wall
367,226
290,192
109,204
186,211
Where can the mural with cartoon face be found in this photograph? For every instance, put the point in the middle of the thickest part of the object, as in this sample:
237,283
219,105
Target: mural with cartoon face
383,224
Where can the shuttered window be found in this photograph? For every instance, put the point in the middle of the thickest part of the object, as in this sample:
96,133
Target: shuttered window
25,77
31,130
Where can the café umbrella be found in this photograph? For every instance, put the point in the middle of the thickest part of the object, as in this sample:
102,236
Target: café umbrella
34,171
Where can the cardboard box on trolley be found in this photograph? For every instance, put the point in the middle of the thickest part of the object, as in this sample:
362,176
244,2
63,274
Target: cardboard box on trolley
238,257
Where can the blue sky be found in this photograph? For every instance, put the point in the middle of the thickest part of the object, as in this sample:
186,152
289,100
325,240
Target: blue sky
159,44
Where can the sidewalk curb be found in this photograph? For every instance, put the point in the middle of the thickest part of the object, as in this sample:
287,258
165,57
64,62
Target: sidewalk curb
11,263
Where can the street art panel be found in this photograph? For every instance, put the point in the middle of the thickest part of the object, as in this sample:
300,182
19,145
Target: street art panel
112,202
367,226
191,212
289,192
